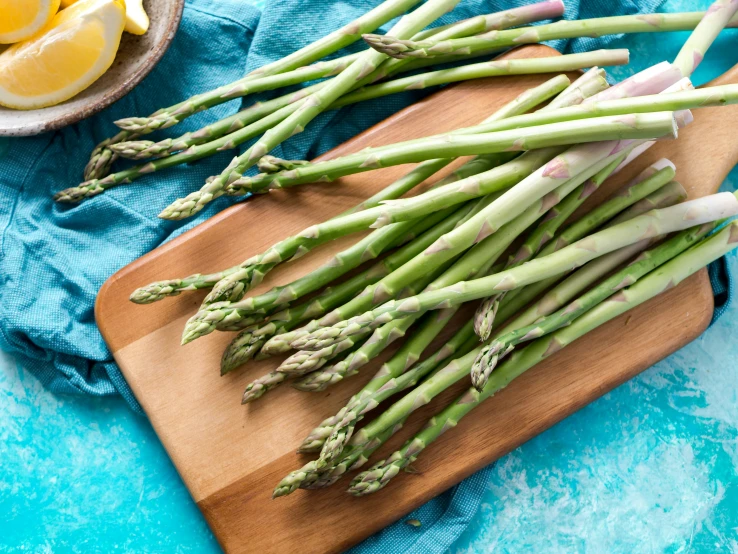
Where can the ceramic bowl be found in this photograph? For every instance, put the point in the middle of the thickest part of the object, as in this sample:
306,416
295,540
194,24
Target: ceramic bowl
136,57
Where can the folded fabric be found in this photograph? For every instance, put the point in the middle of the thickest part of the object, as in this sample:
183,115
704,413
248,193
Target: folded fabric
54,258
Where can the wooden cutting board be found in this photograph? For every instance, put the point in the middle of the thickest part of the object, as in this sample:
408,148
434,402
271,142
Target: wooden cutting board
231,456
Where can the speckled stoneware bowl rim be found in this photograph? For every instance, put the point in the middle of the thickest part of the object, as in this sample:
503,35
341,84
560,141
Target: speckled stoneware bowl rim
116,92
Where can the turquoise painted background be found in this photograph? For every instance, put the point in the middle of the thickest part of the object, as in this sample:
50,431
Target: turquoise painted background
650,467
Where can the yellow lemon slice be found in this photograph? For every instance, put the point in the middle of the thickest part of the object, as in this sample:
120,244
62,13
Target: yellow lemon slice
71,53
19,19
137,22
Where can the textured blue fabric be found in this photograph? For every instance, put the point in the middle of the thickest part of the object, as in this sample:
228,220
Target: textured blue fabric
53,259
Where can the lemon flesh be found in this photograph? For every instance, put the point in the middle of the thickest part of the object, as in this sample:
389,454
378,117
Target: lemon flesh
71,53
20,19
137,22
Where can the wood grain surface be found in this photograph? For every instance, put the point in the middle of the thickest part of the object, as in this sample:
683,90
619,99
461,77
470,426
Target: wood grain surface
231,456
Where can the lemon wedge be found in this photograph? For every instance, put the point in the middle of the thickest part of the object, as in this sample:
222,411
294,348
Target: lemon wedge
21,19
66,57
137,22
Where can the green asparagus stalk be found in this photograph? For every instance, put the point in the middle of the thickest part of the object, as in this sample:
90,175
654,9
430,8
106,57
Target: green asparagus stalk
314,105
399,373
332,42
655,223
666,277
459,143
250,341
494,68
385,385
580,161
470,27
370,397
649,180
560,213
535,137
240,281
272,164
706,97
285,249
476,261
102,156
671,194
693,51
649,23
517,299
484,23
281,343
269,80
91,188
359,303
220,314
197,149
245,346
306,361
487,359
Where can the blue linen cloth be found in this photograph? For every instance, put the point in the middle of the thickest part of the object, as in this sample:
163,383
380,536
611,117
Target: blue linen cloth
53,259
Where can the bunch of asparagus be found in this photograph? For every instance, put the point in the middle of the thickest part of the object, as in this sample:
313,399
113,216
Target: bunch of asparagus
348,79
499,231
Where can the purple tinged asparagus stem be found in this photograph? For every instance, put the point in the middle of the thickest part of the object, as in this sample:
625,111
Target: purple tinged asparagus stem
694,49
556,298
660,280
658,222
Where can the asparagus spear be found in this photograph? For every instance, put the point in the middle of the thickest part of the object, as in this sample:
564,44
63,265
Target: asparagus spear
499,20
716,18
382,388
272,164
236,285
161,289
93,187
314,105
250,341
232,180
196,151
651,179
494,68
480,24
219,314
657,222
385,385
684,83
476,261
305,361
668,276
667,196
460,143
321,48
487,359
281,342
650,23
245,346
478,258
579,161
102,156
497,244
